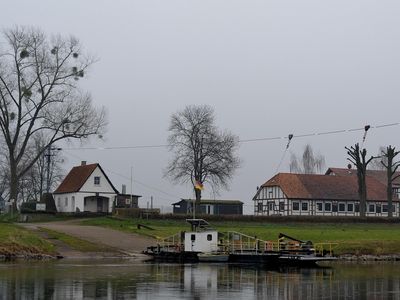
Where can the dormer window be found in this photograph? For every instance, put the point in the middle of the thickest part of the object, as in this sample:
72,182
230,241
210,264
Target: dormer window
96,180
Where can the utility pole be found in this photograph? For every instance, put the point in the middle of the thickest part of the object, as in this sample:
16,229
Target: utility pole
131,186
48,156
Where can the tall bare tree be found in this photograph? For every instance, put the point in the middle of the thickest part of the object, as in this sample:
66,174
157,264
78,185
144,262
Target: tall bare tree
358,158
39,94
202,153
309,163
376,163
391,167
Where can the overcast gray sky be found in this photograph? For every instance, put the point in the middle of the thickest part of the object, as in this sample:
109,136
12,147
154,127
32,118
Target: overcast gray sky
269,68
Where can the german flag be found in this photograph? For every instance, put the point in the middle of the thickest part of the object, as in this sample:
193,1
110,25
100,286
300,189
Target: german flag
198,186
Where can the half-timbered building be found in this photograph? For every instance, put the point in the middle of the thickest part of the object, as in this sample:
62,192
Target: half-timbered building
332,194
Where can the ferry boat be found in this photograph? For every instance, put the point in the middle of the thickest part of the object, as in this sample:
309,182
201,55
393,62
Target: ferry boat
204,244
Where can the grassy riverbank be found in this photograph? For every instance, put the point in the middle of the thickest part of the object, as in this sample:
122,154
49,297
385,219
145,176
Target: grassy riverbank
355,239
15,241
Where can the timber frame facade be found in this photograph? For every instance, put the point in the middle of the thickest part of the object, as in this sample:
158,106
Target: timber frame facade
322,195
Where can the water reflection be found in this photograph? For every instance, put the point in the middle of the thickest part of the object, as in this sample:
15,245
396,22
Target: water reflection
129,280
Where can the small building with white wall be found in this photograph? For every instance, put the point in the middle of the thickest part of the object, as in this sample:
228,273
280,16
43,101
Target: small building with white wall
86,188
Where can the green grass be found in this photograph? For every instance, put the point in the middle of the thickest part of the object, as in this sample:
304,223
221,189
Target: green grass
352,238
15,239
73,242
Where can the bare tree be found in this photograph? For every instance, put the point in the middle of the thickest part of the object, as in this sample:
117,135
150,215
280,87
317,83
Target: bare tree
202,153
39,95
358,158
391,167
309,163
376,163
45,174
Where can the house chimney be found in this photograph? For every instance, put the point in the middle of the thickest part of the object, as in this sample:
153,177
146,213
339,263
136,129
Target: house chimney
83,163
124,189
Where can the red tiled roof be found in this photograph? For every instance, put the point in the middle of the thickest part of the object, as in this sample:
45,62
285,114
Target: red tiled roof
75,179
306,186
379,175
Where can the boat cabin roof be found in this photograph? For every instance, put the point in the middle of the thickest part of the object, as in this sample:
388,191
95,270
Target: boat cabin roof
198,224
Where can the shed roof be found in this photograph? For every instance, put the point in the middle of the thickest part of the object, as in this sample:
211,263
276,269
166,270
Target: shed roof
211,201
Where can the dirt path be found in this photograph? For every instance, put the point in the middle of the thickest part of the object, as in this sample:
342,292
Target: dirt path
129,244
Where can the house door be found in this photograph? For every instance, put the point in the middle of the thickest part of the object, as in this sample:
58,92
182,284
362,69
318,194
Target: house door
99,205
73,204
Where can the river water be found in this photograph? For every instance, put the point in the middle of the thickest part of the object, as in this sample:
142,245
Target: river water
125,279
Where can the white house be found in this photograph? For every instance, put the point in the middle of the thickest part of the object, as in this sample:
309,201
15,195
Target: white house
86,188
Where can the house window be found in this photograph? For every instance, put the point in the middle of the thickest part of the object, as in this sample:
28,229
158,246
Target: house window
334,207
66,201
209,237
328,206
304,206
296,206
259,206
281,206
192,237
378,208
96,180
357,207
385,208
350,207
270,194
319,206
342,207
371,208
271,206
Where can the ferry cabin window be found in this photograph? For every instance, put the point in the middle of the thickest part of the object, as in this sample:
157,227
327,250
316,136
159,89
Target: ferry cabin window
371,208
350,207
192,237
328,206
384,208
319,206
296,206
209,237
378,208
304,206
342,207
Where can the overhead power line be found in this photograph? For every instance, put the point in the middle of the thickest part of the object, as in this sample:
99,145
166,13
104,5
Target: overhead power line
243,140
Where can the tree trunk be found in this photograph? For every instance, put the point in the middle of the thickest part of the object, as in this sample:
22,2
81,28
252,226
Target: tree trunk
198,198
389,191
390,201
13,184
